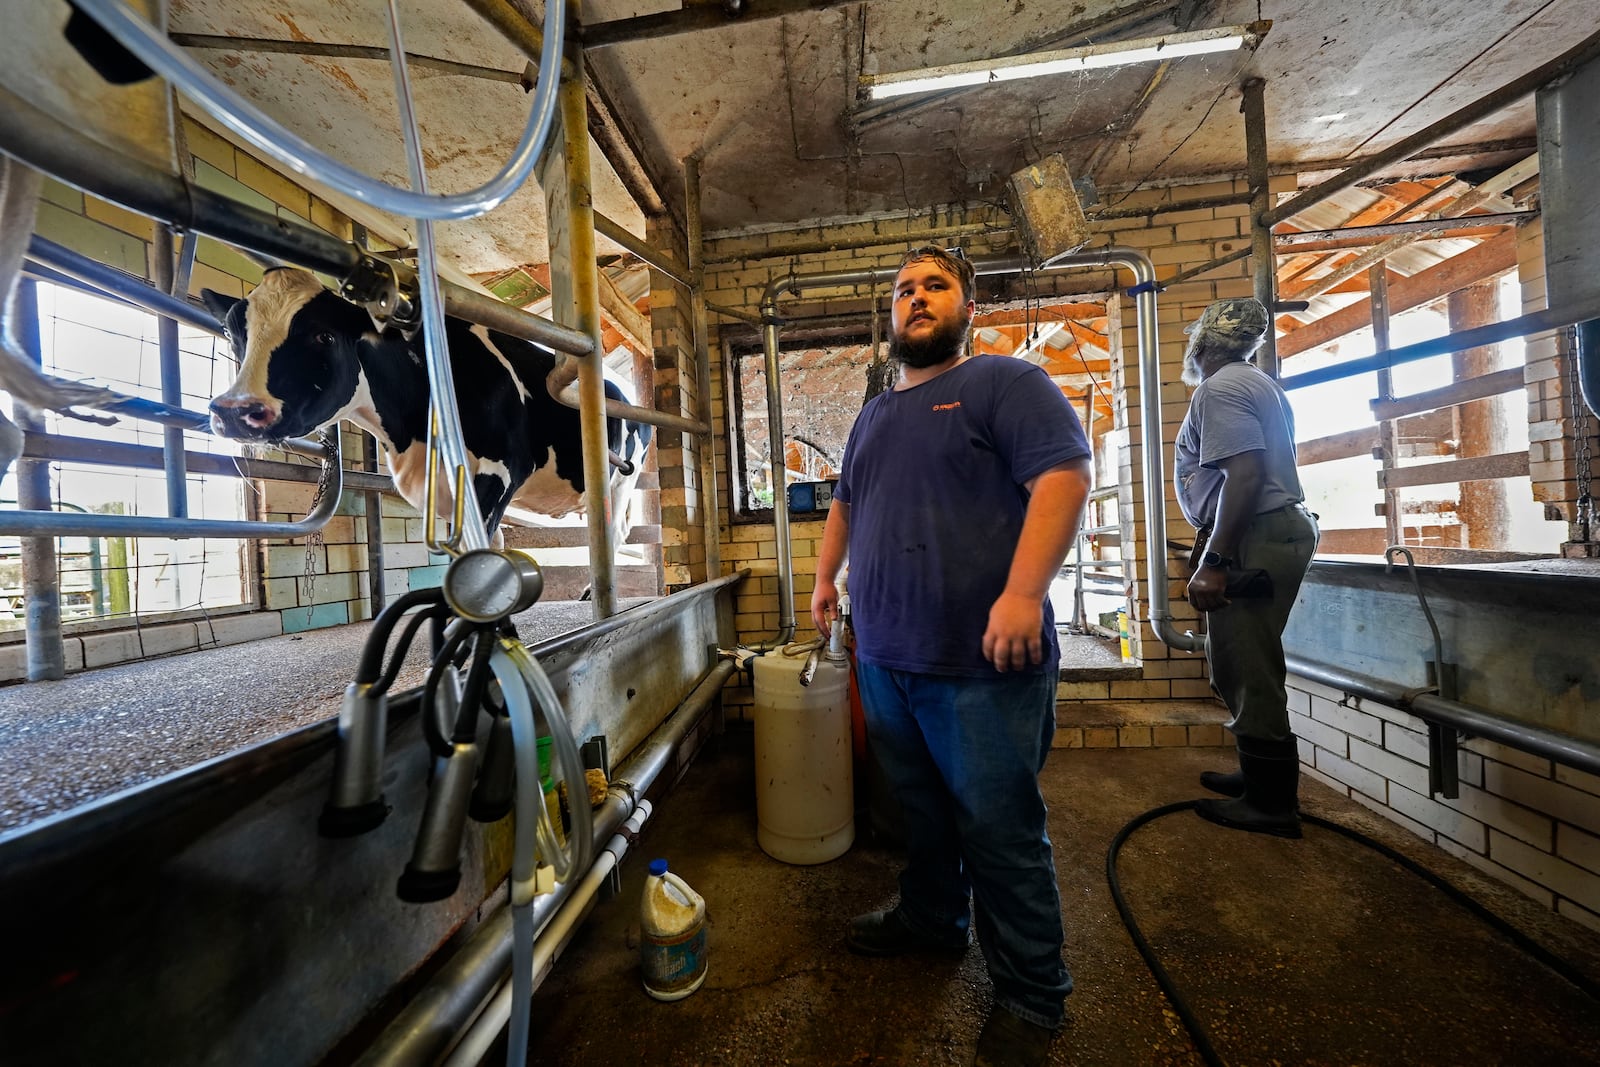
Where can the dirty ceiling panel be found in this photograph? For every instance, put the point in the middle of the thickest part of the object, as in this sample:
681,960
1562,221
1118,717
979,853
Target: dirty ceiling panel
773,104
346,107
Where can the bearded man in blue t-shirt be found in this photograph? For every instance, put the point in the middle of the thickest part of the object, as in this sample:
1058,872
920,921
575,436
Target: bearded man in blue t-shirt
959,495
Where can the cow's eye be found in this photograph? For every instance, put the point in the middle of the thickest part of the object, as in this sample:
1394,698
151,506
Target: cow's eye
325,338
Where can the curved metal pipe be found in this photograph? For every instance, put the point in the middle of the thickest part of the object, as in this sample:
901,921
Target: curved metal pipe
57,524
243,118
49,145
430,1024
1416,586
1144,297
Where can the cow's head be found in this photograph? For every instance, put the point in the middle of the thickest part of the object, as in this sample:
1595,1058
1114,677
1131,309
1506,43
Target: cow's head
297,346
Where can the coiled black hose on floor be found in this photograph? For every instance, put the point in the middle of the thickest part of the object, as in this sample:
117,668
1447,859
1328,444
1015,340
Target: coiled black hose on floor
1197,1032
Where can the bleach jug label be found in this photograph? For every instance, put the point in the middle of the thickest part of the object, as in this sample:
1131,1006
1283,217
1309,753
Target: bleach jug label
673,964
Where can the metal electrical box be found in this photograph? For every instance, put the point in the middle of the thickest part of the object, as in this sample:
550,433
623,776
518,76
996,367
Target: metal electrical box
1045,204
805,497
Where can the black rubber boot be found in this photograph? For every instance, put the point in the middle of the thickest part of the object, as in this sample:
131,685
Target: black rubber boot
1270,804
1229,785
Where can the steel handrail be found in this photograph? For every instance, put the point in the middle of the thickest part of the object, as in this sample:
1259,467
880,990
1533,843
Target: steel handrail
53,524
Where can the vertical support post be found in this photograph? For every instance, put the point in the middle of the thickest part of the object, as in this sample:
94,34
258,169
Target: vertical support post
41,587
1263,261
377,596
1394,527
163,270
706,447
1485,508
778,466
570,200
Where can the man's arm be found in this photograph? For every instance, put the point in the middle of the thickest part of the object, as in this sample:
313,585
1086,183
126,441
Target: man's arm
835,543
1242,479
1055,507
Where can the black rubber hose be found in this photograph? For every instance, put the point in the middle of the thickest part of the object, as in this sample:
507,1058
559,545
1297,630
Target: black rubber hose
1163,979
1580,981
397,658
477,684
438,743
370,668
1555,963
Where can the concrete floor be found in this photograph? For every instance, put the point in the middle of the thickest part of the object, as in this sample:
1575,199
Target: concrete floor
1317,951
1311,952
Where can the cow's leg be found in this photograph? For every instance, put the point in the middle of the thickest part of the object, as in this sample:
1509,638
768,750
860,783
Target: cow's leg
19,376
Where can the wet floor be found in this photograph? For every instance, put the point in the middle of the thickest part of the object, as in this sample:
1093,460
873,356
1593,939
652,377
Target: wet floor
1311,952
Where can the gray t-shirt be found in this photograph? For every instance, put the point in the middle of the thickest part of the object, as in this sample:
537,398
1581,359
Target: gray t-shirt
1238,409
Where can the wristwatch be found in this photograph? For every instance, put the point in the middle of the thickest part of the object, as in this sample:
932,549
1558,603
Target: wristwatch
1216,559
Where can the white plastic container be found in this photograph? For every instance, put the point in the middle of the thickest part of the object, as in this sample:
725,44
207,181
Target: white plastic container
805,799
672,935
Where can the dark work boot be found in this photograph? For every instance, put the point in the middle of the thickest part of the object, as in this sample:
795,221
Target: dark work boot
884,933
1228,784
1009,1041
1270,804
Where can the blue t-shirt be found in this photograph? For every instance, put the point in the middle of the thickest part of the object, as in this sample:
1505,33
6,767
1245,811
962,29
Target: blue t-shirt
935,478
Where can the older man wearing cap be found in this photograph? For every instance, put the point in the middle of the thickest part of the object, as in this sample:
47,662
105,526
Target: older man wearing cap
1238,486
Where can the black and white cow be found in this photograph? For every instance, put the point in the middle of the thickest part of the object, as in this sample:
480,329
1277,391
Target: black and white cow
308,358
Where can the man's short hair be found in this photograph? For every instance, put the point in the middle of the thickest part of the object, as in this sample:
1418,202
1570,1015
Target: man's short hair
952,260
1236,327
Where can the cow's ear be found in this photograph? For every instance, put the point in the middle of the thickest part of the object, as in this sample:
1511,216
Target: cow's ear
219,304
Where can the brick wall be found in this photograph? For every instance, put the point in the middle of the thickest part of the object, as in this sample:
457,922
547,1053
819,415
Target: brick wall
677,390
1522,819
742,265
285,600
1552,452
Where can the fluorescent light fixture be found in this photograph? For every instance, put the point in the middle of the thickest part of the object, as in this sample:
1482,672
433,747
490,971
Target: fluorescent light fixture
1091,57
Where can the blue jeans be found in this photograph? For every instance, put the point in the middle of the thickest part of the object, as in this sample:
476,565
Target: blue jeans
963,757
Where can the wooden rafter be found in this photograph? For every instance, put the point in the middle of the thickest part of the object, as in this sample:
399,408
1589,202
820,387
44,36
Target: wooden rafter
1485,260
1388,209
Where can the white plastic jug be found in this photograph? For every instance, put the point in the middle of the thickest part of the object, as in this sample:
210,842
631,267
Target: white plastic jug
672,935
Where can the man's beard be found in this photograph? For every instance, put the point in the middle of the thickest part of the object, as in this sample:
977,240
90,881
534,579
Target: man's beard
939,346
1192,374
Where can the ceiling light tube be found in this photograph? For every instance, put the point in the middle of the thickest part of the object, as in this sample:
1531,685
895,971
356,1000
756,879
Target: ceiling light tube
1091,57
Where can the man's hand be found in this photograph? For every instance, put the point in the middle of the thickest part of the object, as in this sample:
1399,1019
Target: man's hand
1207,589
824,605
1012,641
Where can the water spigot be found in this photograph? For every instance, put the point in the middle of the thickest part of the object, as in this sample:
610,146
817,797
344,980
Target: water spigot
836,652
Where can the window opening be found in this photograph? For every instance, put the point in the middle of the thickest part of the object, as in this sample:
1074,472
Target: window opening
823,381
130,579
1340,477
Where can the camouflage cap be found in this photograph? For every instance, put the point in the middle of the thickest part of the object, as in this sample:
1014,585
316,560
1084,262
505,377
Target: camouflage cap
1237,325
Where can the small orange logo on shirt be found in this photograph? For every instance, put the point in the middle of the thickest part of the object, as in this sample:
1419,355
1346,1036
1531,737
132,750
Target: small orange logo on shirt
946,407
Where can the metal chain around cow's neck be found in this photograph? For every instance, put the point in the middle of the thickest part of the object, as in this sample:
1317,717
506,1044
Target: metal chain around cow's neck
1580,438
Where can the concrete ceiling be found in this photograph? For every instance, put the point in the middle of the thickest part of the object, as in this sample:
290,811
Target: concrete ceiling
770,104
